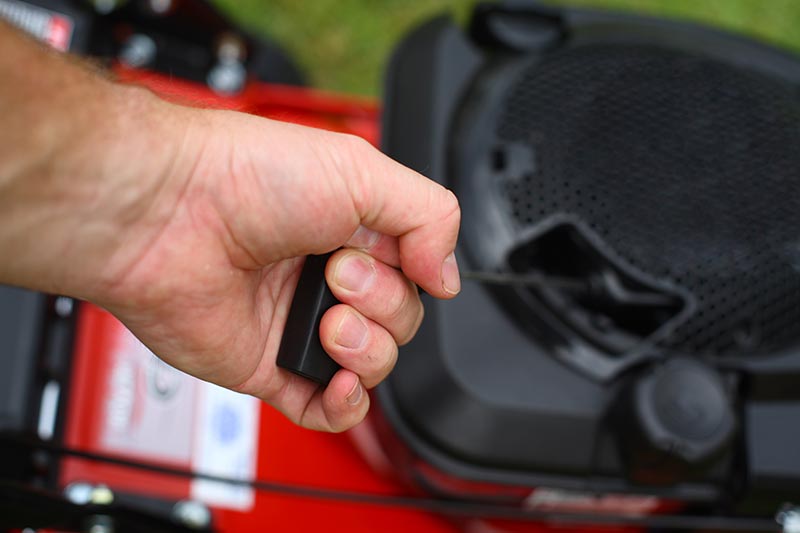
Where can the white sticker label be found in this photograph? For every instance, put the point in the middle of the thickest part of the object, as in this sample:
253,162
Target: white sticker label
149,406
225,441
155,412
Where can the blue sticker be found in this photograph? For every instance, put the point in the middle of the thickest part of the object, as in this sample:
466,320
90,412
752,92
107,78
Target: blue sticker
226,424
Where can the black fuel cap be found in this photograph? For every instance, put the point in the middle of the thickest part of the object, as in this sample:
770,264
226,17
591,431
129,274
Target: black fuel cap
674,420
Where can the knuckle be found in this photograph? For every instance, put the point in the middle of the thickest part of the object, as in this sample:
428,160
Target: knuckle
353,145
343,422
338,426
397,304
389,361
354,167
452,208
405,339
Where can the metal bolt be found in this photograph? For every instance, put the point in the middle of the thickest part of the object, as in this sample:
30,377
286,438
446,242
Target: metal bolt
230,47
102,495
789,519
138,51
64,306
104,7
227,77
78,493
160,7
82,493
99,524
192,514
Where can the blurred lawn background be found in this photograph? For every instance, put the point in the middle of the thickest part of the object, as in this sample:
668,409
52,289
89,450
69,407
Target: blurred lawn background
344,45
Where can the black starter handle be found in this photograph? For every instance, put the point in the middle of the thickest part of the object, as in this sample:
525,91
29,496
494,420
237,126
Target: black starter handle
301,350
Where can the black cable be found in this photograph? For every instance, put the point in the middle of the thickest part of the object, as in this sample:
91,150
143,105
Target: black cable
460,508
528,280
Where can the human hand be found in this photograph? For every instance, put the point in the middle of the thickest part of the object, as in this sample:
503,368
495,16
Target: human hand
191,227
205,276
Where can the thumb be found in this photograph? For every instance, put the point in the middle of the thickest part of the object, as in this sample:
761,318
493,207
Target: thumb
313,189
394,200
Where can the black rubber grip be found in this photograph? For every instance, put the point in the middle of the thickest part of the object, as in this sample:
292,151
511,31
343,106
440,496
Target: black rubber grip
301,350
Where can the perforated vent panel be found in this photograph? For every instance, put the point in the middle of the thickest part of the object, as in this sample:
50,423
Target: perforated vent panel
688,168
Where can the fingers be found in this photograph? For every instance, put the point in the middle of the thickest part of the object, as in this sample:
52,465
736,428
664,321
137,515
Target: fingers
335,408
358,344
344,403
394,200
380,310
310,196
382,247
378,291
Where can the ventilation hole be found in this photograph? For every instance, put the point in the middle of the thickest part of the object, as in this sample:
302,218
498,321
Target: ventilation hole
499,159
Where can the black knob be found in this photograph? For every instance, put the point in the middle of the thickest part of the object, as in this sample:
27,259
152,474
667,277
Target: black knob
301,351
673,421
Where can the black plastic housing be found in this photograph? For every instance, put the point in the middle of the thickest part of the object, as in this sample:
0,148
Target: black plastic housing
36,331
487,392
22,315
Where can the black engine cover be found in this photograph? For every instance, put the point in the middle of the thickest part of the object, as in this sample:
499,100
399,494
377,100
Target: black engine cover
655,161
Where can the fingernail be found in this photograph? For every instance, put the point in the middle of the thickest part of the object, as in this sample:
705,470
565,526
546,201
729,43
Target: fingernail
364,238
355,395
354,273
352,332
451,280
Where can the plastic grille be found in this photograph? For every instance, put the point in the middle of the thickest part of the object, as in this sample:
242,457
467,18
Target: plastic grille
687,167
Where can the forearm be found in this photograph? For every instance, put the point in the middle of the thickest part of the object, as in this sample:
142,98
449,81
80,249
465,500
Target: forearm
69,142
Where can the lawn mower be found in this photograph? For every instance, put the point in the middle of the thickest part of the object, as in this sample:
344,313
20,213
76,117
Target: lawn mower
624,355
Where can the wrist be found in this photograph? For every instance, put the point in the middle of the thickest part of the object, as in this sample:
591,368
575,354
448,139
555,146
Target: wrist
141,163
89,176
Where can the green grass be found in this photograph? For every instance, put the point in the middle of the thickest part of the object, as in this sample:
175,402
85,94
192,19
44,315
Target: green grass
344,44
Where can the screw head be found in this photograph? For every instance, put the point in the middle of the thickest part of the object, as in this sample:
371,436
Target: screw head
192,513
227,77
138,51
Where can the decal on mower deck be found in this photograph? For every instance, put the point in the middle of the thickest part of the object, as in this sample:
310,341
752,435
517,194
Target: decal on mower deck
154,412
49,26
225,444
556,500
